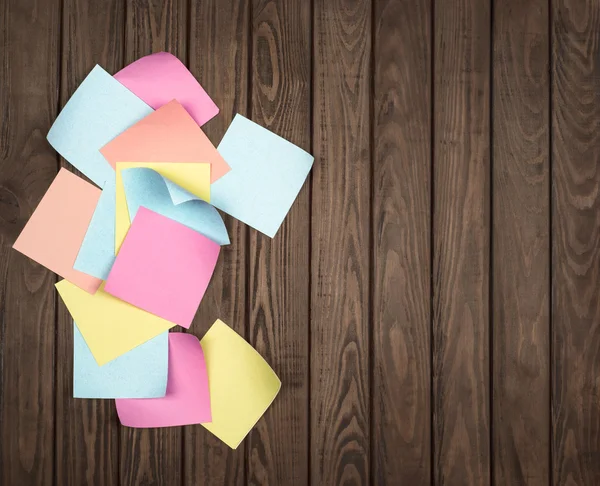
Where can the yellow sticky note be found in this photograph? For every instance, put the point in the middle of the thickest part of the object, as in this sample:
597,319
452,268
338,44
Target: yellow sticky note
242,384
109,326
194,178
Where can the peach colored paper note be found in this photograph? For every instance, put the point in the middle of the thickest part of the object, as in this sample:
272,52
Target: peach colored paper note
54,233
167,135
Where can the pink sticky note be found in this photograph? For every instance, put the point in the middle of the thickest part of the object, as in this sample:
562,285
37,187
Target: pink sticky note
163,267
187,400
54,233
167,135
161,77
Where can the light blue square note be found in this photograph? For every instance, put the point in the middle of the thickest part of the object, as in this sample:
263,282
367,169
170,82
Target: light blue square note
99,110
140,373
97,253
267,173
146,187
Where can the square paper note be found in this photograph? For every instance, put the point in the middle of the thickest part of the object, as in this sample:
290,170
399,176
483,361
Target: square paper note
242,384
147,188
167,135
98,111
140,373
160,78
163,267
187,179
187,400
56,229
109,326
97,252
266,175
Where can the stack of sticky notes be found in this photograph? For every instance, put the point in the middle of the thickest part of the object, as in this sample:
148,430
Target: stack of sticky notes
137,250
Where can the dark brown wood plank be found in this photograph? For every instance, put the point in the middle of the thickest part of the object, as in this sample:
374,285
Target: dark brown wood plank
461,244
401,412
29,30
521,243
576,242
341,227
153,456
280,267
86,430
154,26
218,55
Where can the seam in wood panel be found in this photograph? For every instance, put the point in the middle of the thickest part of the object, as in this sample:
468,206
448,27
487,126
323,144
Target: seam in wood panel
249,116
124,61
246,229
61,9
431,240
188,26
4,276
188,35
371,270
491,251
310,244
550,245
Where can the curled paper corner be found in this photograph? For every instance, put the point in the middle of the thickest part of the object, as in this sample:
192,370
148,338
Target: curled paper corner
178,194
141,187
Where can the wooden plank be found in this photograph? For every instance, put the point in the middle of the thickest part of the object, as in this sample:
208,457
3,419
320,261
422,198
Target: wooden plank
218,54
401,414
575,242
86,430
521,243
153,455
340,256
28,97
461,245
280,267
155,26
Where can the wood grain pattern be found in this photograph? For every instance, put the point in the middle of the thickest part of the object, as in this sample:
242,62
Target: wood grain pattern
430,302
340,320
576,242
280,267
153,456
92,33
401,226
521,243
154,26
461,243
29,29
218,54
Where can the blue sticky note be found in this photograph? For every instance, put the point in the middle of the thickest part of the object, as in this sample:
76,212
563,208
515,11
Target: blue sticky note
98,111
140,373
146,187
266,175
97,253
179,194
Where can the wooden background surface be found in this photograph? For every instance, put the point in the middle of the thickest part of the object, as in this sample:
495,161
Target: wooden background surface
432,301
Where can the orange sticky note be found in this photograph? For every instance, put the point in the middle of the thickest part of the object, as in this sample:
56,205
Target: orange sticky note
169,134
54,233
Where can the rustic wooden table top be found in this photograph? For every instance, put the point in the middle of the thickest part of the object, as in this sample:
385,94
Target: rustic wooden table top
432,301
